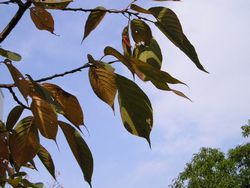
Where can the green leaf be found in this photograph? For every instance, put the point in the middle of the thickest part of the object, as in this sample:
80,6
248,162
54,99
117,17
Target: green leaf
42,19
103,84
126,42
24,142
139,9
169,24
13,117
46,159
141,32
67,102
150,54
93,20
45,117
135,108
10,55
52,4
80,150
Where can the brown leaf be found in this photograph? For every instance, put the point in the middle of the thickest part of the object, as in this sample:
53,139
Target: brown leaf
45,117
42,19
68,103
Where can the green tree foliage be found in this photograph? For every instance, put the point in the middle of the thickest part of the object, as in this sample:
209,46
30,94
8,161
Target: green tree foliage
211,168
20,136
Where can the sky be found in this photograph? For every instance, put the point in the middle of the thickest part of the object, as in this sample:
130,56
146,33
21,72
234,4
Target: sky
219,30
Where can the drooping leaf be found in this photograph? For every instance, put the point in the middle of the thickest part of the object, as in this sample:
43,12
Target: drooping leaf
135,108
94,19
169,24
52,4
141,32
126,42
150,54
19,80
69,104
46,159
80,150
45,117
42,19
27,183
24,142
139,9
10,55
13,117
103,84
113,52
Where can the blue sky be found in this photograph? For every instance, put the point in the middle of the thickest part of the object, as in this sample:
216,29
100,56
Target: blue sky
220,32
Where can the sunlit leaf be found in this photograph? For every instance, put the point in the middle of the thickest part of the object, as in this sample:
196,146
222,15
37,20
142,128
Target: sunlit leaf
42,19
135,108
150,54
14,182
10,55
45,117
141,32
94,19
80,150
52,4
169,24
103,84
19,80
46,159
13,117
126,42
24,141
69,104
139,9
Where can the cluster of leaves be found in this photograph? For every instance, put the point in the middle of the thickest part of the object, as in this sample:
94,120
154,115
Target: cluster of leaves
46,101
212,168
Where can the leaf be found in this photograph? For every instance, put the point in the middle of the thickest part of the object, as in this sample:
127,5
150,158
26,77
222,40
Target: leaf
139,9
52,4
13,117
80,150
93,20
135,108
150,54
111,51
42,19
169,24
45,117
10,55
126,42
19,80
47,161
141,32
24,142
69,104
103,84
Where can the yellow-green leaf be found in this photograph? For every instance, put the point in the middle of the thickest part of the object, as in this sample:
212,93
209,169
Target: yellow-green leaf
69,104
150,54
24,141
80,150
141,32
139,9
52,4
93,20
19,80
13,117
169,24
45,117
135,108
103,84
46,159
42,19
126,42
10,55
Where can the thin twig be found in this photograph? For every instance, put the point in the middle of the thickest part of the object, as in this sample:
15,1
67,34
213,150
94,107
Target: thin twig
16,98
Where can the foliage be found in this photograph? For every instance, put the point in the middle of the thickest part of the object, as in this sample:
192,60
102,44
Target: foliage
211,168
246,129
20,136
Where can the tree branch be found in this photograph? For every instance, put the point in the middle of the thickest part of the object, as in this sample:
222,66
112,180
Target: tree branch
13,22
16,99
